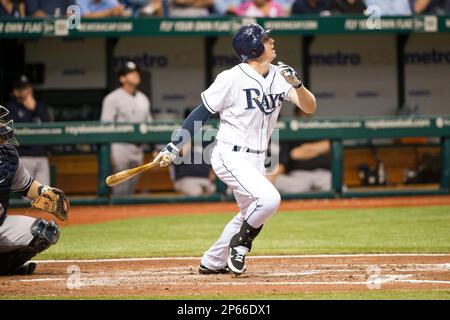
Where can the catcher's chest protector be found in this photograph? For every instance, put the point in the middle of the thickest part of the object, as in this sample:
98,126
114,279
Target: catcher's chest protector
8,166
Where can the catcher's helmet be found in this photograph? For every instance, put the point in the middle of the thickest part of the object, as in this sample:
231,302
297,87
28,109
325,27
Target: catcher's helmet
247,41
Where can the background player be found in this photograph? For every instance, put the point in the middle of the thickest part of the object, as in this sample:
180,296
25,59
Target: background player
249,98
126,104
24,108
21,237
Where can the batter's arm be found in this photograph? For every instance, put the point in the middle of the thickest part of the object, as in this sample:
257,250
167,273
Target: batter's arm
304,99
193,123
299,95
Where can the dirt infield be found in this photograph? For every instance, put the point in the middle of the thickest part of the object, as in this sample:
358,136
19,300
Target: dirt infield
268,274
97,214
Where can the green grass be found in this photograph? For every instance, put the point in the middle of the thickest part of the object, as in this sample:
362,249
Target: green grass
386,230
363,295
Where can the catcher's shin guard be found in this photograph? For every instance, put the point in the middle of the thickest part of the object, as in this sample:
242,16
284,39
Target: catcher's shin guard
45,234
11,261
245,236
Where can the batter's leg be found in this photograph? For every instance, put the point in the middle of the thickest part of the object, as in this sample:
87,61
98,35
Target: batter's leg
257,199
217,255
253,192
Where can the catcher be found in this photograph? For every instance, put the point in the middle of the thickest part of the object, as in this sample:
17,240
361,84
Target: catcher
22,237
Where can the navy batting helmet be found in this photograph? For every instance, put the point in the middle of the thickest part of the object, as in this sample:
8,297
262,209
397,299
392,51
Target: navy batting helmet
247,42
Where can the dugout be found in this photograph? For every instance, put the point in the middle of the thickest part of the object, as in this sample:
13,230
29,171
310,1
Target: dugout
397,72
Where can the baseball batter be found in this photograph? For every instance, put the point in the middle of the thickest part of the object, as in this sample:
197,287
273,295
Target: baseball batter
248,98
21,237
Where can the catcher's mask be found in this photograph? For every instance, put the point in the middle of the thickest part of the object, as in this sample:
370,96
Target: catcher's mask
6,128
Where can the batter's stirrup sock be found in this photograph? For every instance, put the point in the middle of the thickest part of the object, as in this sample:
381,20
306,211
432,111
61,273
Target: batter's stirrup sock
245,236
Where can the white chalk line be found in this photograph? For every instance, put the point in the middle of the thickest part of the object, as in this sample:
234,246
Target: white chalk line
160,277
157,276
390,280
289,274
410,267
251,257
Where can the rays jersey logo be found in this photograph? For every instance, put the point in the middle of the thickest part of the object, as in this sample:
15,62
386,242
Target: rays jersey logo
267,103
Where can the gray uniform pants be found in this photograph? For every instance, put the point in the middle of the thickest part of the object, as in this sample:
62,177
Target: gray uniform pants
299,181
195,186
38,168
15,232
126,156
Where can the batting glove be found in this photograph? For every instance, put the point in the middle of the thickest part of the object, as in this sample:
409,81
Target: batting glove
290,75
171,151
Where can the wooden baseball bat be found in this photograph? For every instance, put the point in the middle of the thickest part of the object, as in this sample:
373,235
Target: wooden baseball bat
119,177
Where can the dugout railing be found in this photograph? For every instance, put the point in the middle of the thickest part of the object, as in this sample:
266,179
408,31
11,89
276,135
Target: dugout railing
337,130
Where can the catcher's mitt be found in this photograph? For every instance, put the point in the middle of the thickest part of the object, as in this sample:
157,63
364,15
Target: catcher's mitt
53,201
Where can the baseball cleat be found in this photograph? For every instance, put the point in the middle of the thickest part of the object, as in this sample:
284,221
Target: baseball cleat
25,270
204,270
236,260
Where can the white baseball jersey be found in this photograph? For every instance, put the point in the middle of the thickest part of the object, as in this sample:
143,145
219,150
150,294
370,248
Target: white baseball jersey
248,103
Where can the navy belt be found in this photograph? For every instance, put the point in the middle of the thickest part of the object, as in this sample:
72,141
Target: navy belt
245,149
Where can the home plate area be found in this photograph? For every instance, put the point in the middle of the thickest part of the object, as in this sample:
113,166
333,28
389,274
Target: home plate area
178,276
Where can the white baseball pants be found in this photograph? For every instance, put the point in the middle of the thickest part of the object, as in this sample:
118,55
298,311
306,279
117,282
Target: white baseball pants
257,198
